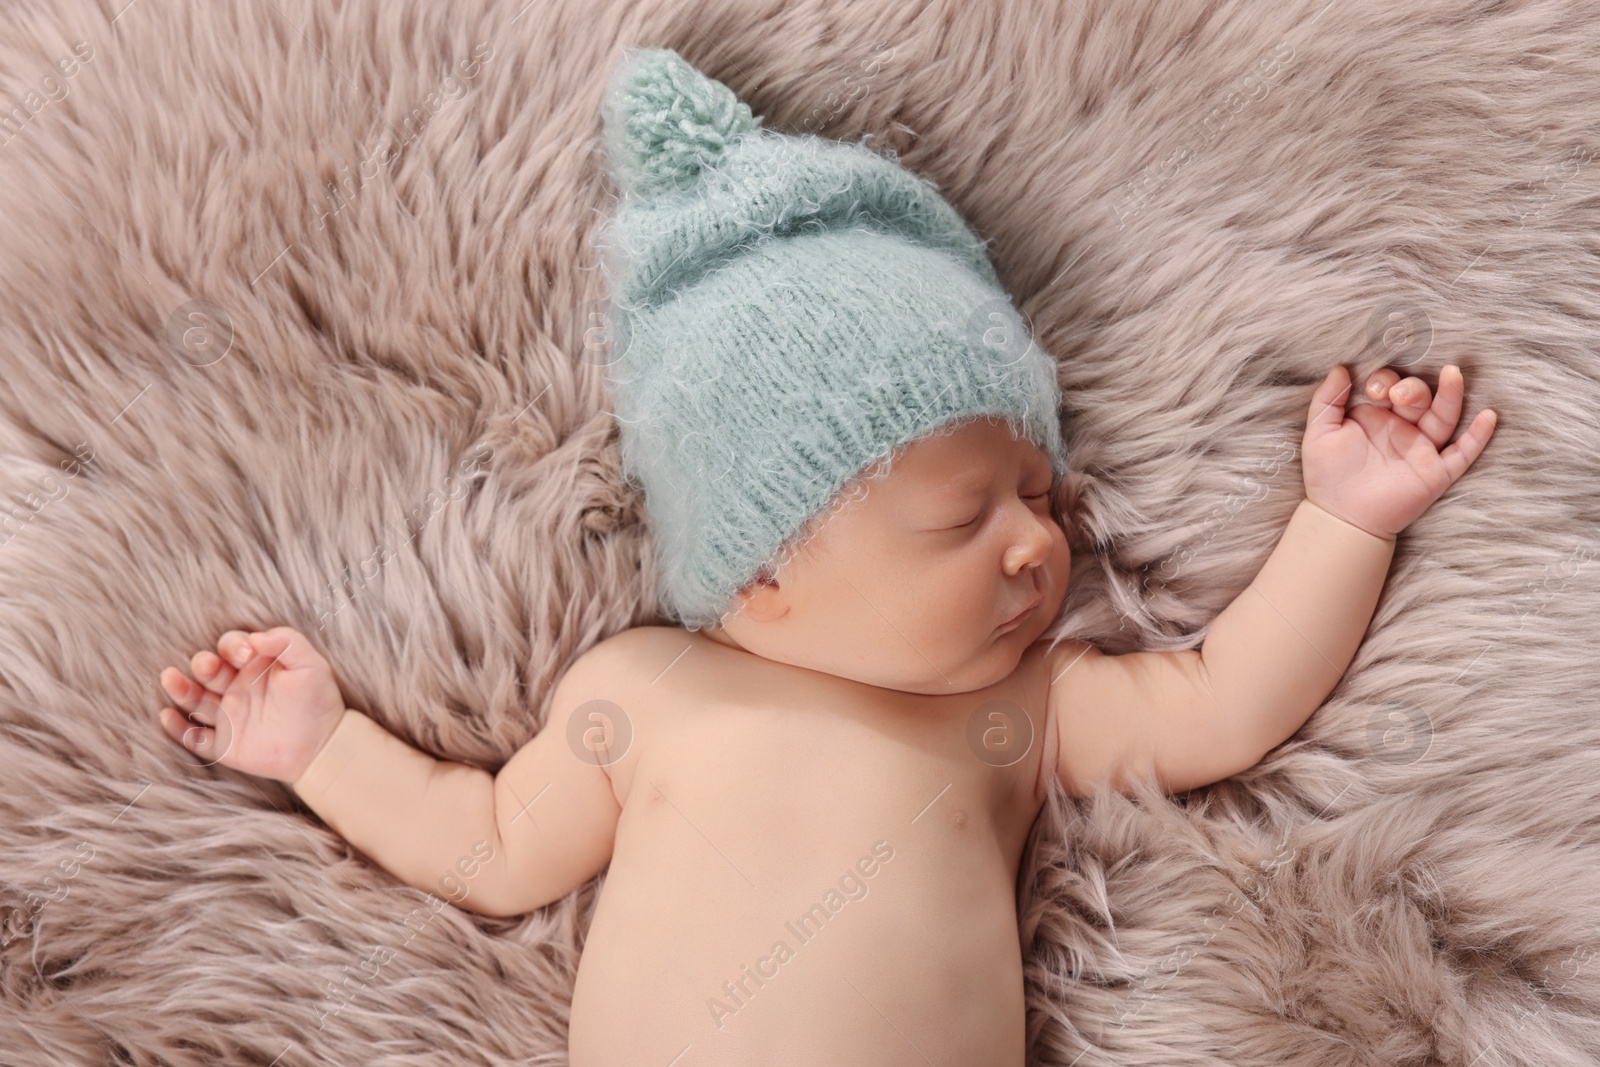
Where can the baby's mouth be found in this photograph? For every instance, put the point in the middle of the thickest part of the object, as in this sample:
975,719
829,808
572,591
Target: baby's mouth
1023,614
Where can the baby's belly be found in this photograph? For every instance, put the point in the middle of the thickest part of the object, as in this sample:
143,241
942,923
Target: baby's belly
772,923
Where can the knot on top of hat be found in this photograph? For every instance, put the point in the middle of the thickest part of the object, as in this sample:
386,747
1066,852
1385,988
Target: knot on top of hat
665,121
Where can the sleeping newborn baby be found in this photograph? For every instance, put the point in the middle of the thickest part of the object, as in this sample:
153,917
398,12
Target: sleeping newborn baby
813,789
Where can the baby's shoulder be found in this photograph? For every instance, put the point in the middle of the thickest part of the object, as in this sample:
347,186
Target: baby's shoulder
623,653
615,666
1060,656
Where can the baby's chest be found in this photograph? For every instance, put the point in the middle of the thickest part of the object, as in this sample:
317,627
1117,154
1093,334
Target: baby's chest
785,793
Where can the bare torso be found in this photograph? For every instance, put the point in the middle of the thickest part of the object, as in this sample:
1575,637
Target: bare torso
809,870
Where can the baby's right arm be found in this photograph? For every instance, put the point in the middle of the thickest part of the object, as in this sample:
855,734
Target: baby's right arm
515,841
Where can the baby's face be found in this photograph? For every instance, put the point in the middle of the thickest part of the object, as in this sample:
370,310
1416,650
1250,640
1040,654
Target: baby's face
908,587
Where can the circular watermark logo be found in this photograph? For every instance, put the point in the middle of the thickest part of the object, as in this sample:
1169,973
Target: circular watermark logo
998,327
599,732
999,732
209,737
199,333
1399,333
601,340
1399,732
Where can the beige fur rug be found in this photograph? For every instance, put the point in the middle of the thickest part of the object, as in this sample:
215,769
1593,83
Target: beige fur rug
293,312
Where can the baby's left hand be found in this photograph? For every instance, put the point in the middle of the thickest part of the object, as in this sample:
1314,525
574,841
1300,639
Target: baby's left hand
1380,468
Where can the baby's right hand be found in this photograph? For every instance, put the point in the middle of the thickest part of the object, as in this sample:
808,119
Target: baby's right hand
263,704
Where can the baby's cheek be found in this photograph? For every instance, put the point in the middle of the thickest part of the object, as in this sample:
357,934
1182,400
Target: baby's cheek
1061,561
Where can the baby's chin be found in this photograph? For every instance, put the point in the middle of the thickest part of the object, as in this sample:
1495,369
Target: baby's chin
989,660
937,665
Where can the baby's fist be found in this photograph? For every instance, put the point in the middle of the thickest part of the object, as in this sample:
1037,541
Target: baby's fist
1378,467
264,703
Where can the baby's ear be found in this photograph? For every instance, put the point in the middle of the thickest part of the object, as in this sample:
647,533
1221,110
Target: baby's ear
764,578
760,599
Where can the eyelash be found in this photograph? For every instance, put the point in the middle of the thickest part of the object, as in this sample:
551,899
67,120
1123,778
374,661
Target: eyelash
981,514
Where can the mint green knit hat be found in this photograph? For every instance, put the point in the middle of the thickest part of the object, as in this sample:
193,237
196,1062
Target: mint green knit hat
785,311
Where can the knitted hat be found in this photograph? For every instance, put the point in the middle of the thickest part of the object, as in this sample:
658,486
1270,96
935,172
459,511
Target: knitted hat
786,310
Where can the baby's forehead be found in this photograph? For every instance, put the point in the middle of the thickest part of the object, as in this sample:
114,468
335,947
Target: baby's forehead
942,461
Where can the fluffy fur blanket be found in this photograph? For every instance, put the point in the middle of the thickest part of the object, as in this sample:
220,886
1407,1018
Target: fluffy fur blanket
294,305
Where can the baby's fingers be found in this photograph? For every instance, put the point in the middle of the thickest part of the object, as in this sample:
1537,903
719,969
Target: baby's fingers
1379,382
1438,422
234,647
240,648
1410,399
196,700
211,671
1459,456
175,725
196,738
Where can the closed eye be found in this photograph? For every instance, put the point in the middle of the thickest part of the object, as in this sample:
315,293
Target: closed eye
976,518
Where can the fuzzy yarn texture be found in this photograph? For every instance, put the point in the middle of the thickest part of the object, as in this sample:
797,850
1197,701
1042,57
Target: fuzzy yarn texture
788,311
298,325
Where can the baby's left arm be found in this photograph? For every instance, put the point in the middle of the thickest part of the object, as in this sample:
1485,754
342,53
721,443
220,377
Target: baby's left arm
1269,660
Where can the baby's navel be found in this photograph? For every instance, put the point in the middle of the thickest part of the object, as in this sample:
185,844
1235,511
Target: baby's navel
958,819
